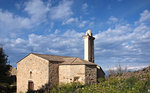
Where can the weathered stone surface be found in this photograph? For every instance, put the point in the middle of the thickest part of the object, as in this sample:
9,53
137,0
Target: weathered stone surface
90,74
32,68
81,73
71,73
54,73
43,72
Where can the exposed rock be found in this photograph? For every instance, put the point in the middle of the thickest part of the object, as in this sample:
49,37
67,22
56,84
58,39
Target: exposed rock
13,71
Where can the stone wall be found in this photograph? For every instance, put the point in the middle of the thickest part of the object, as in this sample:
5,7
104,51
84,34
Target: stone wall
71,73
32,68
90,74
54,73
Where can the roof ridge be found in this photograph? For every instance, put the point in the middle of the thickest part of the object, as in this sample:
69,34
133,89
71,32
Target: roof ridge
53,55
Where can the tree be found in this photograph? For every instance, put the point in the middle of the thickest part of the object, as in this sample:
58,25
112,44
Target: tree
3,57
4,68
6,80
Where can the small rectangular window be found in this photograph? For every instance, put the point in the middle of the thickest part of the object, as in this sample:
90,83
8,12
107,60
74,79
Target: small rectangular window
76,79
30,85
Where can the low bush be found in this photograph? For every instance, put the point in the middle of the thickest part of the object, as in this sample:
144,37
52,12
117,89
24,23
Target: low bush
109,85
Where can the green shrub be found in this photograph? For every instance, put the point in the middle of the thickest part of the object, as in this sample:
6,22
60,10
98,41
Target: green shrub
101,80
134,84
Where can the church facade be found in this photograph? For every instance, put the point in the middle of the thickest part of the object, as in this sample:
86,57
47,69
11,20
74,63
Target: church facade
36,71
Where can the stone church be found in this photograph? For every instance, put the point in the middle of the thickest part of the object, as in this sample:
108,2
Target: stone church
38,70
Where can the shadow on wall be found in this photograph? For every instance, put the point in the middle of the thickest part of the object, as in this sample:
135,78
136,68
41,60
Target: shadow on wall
100,73
65,88
44,89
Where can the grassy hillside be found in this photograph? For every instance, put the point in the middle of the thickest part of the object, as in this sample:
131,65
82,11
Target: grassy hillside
130,82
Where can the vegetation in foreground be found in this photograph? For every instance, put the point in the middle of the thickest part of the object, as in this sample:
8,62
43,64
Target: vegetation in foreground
110,85
130,82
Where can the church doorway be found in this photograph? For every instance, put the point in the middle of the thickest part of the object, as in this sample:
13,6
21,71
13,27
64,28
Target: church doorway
30,85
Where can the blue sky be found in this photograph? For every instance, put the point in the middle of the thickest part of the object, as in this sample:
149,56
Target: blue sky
56,27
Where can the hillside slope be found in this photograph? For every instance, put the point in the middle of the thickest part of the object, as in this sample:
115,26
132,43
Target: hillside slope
129,82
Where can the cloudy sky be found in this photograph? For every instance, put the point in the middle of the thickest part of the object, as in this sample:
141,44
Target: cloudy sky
56,27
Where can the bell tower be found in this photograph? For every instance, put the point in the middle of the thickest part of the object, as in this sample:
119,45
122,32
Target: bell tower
89,46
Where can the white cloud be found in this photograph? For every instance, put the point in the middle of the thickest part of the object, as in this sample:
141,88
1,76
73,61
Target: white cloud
136,67
51,25
112,19
83,23
124,43
62,11
36,10
119,44
70,21
145,16
12,21
56,43
56,31
19,40
53,51
128,68
84,7
77,22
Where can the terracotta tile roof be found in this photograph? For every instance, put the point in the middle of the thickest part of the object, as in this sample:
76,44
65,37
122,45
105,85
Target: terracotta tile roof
66,60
